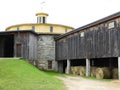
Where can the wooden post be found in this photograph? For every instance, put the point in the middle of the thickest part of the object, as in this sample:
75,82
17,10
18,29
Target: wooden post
119,68
87,67
68,66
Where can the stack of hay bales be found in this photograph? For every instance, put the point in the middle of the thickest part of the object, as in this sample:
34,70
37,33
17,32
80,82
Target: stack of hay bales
93,71
78,70
103,73
115,73
98,72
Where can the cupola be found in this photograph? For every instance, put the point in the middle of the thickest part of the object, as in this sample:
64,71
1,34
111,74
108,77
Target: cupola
41,17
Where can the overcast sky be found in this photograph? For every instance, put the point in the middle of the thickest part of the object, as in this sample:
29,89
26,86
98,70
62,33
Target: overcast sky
75,13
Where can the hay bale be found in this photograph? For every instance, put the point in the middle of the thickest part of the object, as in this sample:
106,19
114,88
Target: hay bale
82,70
115,73
72,71
75,70
103,73
93,71
107,73
99,73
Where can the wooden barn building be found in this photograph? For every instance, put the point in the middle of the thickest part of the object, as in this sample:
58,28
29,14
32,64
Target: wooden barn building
94,45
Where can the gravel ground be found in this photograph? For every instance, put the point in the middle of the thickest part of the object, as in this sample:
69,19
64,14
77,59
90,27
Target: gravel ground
79,83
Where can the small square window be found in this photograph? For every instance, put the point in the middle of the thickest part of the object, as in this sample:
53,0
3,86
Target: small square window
49,64
82,34
111,25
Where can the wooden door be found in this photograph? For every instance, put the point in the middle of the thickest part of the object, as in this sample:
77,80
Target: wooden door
18,50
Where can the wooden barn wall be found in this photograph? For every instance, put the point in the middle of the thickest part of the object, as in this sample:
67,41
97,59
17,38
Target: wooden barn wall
97,42
32,47
23,39
29,45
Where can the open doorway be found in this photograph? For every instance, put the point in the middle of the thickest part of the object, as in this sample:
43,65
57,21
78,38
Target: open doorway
6,45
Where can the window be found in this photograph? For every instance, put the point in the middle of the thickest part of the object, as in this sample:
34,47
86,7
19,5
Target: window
82,34
43,19
33,28
39,20
49,64
111,25
65,30
51,29
17,28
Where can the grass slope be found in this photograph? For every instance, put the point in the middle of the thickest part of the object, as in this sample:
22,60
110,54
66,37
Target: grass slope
20,75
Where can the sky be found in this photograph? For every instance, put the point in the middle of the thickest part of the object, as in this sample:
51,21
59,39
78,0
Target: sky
75,13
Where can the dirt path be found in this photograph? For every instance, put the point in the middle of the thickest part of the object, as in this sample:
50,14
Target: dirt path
78,83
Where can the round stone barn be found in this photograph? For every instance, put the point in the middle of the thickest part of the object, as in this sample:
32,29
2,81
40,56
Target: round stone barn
42,45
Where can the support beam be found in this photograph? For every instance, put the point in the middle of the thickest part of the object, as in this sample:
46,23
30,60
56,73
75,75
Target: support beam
87,67
68,66
119,68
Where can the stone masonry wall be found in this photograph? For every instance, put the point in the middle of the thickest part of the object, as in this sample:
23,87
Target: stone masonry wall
45,51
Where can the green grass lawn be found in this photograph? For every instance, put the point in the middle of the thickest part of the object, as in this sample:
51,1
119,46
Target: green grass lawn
17,74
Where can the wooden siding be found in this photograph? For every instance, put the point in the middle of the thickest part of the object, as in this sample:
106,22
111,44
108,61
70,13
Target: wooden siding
28,41
23,39
32,47
98,42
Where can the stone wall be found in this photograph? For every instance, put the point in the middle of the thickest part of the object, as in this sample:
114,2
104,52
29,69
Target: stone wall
45,51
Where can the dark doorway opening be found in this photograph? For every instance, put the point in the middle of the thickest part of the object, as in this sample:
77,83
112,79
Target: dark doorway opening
105,62
6,45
